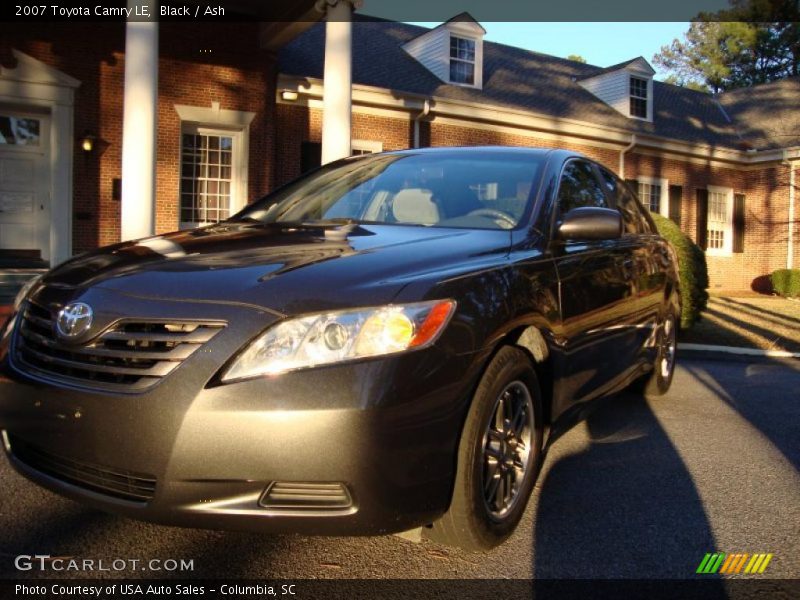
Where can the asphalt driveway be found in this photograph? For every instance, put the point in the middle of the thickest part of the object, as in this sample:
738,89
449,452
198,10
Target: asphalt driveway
641,489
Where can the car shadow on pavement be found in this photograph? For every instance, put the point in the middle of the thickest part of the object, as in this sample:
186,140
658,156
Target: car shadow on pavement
618,502
777,414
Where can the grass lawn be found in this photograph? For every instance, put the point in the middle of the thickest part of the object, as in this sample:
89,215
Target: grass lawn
749,321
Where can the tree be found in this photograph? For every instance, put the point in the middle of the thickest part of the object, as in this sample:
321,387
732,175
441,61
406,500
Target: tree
576,58
754,41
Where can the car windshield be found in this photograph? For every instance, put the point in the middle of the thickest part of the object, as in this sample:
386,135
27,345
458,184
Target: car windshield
457,189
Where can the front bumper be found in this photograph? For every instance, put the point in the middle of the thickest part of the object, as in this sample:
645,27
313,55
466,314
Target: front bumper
387,429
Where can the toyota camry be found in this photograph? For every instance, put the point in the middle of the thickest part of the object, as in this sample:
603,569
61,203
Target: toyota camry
384,344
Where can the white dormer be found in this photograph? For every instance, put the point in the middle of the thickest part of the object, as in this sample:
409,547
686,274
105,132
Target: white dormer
453,51
627,87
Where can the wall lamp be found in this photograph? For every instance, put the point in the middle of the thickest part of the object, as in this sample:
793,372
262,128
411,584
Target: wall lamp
88,142
289,95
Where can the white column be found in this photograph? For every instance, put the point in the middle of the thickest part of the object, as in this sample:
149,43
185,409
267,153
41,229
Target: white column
792,199
140,110
337,94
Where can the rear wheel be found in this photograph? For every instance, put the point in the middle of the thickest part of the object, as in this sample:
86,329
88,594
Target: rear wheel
658,381
498,456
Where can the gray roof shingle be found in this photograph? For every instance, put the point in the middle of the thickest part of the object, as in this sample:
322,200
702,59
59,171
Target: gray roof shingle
766,115
524,80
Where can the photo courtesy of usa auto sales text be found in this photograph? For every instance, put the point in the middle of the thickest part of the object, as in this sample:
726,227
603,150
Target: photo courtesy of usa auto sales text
135,589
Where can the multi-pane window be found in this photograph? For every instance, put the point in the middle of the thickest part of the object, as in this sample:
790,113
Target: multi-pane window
206,177
638,93
462,60
650,195
718,221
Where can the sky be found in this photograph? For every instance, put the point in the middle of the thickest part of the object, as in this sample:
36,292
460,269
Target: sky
601,44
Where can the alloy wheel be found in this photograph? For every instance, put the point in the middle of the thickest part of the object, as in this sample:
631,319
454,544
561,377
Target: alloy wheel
507,444
667,350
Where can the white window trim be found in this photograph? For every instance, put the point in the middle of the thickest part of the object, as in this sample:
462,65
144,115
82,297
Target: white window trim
663,205
649,98
216,120
478,64
238,169
727,248
367,146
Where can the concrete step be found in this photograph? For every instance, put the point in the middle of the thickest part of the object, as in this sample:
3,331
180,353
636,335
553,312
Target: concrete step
12,280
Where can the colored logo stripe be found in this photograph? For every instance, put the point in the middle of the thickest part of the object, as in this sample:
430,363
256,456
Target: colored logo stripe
720,562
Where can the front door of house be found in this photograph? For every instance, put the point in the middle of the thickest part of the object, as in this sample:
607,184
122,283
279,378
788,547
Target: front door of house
24,183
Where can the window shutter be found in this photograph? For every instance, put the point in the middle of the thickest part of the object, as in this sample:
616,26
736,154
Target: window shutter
738,223
675,200
702,218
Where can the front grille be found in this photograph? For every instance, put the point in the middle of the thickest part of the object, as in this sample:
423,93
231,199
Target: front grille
285,495
130,356
118,483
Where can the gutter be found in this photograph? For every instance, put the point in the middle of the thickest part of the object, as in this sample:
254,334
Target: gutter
622,154
426,110
790,236
310,94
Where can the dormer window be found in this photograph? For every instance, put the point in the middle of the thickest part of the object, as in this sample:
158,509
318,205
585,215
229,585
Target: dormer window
638,96
462,60
453,51
626,87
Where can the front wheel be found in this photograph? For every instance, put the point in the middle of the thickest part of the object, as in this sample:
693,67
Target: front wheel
498,456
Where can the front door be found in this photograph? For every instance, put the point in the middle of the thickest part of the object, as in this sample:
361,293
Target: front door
595,293
24,183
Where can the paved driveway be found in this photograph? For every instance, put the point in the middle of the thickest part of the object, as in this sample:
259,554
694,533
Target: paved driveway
640,489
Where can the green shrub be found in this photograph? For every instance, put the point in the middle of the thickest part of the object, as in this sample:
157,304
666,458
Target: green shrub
691,267
786,282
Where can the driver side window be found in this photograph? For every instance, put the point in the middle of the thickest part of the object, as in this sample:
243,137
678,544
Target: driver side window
579,187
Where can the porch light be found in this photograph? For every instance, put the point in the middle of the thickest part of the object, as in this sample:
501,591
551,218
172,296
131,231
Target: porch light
289,95
88,142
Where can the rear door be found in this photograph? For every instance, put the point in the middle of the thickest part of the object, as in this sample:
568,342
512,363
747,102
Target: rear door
595,294
648,278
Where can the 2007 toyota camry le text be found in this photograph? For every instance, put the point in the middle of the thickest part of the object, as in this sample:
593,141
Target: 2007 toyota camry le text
381,345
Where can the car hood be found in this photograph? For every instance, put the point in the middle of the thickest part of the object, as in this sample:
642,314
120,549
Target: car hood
286,268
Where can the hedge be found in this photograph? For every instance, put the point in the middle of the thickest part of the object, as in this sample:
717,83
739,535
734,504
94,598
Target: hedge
691,267
786,282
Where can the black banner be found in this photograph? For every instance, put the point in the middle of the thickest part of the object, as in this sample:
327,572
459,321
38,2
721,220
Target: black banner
407,10
440,589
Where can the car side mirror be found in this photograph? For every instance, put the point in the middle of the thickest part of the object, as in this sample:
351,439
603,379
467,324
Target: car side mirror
591,223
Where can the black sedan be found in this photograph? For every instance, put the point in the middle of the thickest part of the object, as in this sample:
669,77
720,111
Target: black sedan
379,346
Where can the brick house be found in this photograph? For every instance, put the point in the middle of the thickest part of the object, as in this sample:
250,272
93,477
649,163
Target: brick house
210,116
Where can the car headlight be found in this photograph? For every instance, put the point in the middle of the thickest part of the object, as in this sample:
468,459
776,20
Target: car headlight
23,293
334,337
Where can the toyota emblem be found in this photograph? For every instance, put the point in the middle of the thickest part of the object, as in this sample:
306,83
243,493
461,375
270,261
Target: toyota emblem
74,319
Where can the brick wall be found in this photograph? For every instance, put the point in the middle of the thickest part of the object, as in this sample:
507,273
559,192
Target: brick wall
297,124
766,198
766,213
194,69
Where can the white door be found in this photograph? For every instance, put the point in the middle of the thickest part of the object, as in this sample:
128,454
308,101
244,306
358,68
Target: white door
24,182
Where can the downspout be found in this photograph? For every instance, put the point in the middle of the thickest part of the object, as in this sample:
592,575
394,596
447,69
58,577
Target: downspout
790,237
426,109
622,154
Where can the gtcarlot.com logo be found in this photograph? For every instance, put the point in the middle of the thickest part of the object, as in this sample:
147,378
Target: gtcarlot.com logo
734,564
46,562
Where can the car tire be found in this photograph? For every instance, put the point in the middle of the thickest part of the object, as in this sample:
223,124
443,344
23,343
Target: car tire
658,381
498,456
